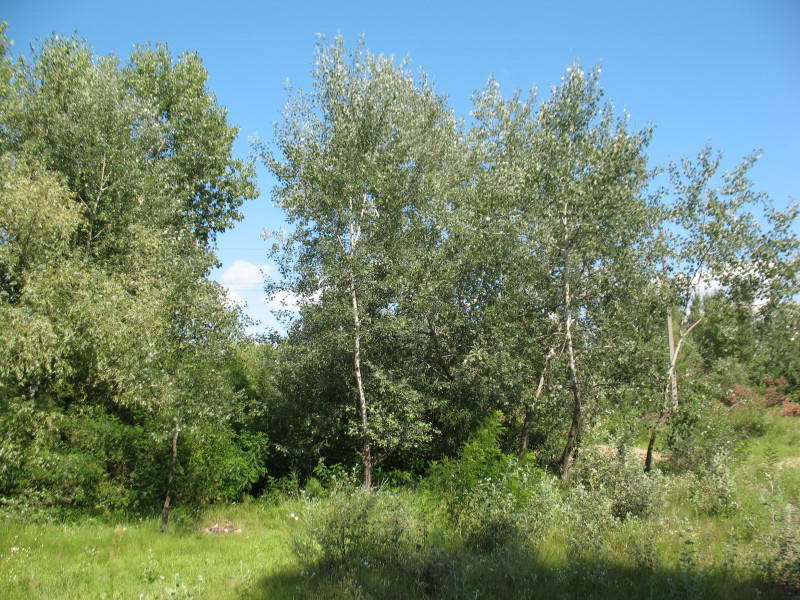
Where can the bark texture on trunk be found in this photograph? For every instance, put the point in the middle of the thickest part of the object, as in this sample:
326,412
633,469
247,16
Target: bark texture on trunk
573,437
366,448
349,247
171,481
651,443
568,456
673,378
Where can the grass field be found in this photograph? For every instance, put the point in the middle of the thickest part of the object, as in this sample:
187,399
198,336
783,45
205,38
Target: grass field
682,551
89,559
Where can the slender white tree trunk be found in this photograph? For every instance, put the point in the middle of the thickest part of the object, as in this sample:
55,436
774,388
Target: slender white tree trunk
573,436
366,446
671,393
366,450
568,455
673,378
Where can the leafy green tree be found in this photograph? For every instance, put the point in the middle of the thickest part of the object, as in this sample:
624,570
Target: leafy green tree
570,187
194,140
113,184
712,238
361,156
147,140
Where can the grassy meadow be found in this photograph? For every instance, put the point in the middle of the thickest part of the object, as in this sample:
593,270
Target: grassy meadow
735,538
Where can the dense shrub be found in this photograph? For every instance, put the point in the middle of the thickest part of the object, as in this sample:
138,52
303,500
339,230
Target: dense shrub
394,545
82,459
220,465
698,433
367,532
91,459
483,487
748,417
710,492
782,568
629,490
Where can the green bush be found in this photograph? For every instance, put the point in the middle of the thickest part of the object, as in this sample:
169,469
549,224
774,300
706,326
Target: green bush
90,459
379,530
85,459
782,568
219,465
711,492
393,545
630,491
748,418
698,433
484,486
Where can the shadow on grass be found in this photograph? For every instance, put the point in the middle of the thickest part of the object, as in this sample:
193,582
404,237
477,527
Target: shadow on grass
502,574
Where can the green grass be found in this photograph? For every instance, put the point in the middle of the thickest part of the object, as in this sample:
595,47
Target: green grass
88,559
680,551
782,439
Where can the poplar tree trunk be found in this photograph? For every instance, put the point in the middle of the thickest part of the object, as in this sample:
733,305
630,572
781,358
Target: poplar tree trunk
671,394
567,457
171,481
673,359
526,424
573,437
366,450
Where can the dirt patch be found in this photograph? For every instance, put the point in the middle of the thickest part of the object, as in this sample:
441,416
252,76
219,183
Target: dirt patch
638,454
792,463
225,528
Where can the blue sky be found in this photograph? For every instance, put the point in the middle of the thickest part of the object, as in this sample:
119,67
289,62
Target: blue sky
724,72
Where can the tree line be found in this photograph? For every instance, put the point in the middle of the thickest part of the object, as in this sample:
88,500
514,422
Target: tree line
529,261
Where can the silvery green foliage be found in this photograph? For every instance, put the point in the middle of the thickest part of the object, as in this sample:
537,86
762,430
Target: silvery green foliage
361,166
782,567
713,491
721,234
565,205
147,139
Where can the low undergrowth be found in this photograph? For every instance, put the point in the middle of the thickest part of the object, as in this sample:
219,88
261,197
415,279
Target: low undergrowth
487,525
484,525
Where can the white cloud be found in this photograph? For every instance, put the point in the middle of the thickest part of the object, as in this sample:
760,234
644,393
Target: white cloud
235,299
285,300
243,274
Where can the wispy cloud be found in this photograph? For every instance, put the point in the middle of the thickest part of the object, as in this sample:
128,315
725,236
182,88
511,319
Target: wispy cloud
242,274
285,300
235,299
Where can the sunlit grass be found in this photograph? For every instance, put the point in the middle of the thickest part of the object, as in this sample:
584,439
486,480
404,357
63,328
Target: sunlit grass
722,555
132,560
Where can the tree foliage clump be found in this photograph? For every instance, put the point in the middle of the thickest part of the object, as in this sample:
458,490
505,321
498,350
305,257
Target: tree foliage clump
526,264
113,182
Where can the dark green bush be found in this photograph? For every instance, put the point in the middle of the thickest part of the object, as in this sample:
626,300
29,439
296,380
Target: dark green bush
219,465
698,433
90,459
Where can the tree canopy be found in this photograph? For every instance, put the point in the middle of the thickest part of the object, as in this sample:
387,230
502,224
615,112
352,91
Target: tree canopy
528,265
